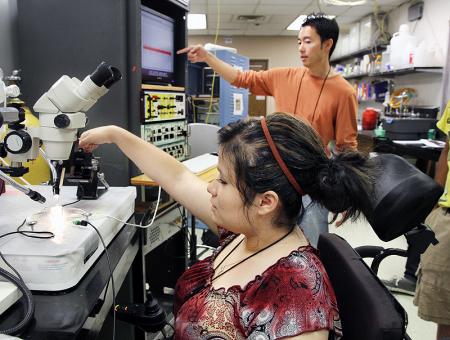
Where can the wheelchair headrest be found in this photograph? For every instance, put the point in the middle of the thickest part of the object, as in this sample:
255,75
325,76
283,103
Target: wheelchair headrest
403,197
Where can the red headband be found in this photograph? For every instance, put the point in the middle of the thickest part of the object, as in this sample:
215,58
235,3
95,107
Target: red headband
278,158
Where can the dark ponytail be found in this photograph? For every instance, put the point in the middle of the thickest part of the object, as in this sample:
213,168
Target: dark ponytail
345,184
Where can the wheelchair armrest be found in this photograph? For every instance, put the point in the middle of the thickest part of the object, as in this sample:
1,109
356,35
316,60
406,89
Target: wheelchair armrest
369,251
378,254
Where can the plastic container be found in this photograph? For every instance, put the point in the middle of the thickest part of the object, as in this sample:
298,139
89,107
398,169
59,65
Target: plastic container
380,132
403,44
386,60
422,55
369,118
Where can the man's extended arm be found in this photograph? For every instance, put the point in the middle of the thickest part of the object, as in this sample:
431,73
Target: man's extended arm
198,53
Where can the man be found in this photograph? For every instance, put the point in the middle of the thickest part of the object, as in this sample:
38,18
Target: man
432,292
314,92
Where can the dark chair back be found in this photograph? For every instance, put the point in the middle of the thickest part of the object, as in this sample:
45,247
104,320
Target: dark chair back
404,196
368,310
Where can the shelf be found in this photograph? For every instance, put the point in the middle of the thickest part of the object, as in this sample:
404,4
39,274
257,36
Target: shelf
205,98
410,70
357,76
162,87
358,54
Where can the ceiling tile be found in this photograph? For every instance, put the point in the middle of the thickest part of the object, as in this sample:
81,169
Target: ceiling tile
282,19
280,13
276,9
232,2
241,9
227,26
297,3
223,17
358,11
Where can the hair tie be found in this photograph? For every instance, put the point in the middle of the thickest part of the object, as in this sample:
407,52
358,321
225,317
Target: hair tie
278,158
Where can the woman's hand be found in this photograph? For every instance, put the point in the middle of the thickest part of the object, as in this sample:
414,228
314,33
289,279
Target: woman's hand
91,139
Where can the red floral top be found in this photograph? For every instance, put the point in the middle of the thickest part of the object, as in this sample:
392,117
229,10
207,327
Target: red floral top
289,298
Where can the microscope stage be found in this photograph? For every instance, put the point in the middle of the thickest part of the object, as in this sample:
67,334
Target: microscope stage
60,262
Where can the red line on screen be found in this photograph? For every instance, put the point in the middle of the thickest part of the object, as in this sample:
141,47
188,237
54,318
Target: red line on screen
157,50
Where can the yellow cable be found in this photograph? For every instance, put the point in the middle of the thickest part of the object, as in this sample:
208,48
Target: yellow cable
214,73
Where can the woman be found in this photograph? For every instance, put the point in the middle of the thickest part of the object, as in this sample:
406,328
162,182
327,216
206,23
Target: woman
265,281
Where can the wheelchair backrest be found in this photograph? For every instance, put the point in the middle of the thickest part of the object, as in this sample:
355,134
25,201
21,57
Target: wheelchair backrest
367,309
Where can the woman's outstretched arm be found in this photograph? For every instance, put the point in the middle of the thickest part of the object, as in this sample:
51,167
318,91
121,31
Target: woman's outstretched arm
184,186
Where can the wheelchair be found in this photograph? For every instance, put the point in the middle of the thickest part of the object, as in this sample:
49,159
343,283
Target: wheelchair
404,196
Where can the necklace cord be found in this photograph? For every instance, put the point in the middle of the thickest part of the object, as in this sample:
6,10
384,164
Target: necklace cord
320,93
250,256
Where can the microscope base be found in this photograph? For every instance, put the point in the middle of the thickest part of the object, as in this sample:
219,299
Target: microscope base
59,263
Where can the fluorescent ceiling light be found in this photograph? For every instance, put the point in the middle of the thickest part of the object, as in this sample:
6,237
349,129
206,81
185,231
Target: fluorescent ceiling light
196,21
297,23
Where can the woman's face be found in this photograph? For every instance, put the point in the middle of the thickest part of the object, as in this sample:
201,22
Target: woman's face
227,207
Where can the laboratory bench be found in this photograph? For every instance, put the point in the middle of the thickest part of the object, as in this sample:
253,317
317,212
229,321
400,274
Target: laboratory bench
76,311
423,157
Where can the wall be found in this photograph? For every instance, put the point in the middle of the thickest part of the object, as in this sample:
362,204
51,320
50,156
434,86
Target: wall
8,36
280,51
434,29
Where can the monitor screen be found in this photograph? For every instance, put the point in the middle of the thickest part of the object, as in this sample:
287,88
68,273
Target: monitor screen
157,44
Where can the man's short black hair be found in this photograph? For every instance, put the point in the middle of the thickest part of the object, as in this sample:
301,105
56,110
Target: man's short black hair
326,28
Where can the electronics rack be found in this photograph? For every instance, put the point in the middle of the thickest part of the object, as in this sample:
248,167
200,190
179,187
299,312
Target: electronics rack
163,119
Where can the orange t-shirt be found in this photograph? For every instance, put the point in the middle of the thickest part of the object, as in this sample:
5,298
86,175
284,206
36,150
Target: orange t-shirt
335,115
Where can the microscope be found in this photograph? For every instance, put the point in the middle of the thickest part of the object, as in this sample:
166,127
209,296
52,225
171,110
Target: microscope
61,113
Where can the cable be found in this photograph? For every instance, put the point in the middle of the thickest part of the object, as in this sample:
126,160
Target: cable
11,267
29,303
19,282
110,274
170,325
133,224
65,205
163,332
214,73
30,233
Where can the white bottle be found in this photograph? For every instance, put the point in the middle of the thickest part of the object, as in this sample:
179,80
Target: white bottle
422,55
386,60
403,44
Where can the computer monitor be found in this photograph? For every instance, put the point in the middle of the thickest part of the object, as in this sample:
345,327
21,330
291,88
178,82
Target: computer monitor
157,44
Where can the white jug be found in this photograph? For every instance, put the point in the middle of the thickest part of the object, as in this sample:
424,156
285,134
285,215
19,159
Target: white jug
422,55
403,44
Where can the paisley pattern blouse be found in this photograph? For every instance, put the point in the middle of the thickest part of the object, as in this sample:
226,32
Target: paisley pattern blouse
291,297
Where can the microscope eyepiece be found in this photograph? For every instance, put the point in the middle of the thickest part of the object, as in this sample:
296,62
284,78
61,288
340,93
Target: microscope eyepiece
115,77
101,74
105,75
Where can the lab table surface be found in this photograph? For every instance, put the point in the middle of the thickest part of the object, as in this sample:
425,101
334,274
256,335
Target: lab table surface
79,312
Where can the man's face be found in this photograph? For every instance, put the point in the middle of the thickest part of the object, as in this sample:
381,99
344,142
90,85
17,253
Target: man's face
312,50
